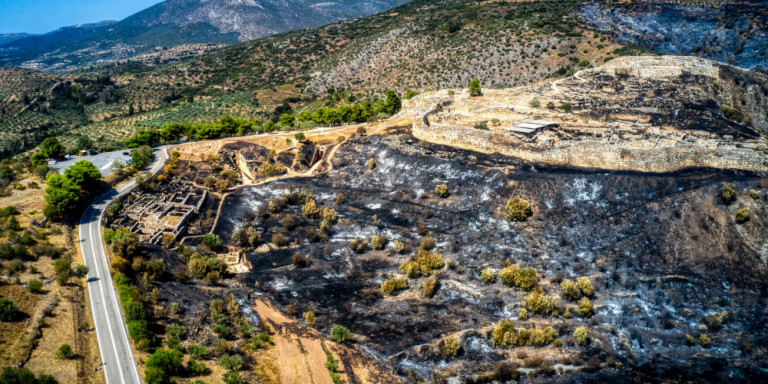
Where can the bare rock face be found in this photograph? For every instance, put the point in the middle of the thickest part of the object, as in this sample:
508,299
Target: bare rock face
252,19
647,114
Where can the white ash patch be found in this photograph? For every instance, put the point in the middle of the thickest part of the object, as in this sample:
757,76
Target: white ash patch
373,206
477,345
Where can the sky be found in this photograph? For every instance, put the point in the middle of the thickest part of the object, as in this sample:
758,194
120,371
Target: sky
40,16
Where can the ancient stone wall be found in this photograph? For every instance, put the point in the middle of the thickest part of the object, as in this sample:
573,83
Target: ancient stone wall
578,153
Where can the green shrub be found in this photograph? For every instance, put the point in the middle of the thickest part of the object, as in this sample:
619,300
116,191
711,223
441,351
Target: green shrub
715,320
488,276
392,285
339,333
504,335
535,103
536,302
430,286
524,278
585,285
357,245
704,340
566,107
517,209
65,351
570,290
727,193
523,314
35,286
231,362
169,360
585,307
198,351
8,309
581,335
232,377
196,367
441,190
262,340
742,215
424,263
212,241
399,246
482,126
450,346
474,88
371,164
378,241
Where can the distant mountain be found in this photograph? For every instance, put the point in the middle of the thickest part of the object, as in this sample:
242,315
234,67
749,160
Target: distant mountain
10,37
177,22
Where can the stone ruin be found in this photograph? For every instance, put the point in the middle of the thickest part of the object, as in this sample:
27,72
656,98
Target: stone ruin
152,216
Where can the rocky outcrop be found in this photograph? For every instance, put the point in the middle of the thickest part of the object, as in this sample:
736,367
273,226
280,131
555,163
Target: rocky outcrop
648,114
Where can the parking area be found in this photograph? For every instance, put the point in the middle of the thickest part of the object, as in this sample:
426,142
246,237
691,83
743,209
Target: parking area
102,161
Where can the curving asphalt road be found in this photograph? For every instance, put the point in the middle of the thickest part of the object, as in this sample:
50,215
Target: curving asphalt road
116,354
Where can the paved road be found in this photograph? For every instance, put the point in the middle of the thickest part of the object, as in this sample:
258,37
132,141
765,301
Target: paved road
115,347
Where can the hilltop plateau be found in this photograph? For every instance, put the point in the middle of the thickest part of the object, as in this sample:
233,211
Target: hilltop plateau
647,114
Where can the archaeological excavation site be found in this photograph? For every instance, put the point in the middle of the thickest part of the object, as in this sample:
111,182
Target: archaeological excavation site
610,226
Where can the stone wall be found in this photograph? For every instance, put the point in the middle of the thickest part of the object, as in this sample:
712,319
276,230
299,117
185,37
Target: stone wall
577,153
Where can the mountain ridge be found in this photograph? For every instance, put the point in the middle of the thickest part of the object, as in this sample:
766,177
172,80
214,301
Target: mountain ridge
175,23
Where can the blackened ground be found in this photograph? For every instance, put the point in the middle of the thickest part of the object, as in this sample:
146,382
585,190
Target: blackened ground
662,250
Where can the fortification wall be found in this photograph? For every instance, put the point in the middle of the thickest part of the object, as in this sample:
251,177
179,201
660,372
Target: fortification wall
583,153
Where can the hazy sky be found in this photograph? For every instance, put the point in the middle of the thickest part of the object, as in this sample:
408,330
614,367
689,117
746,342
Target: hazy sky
40,16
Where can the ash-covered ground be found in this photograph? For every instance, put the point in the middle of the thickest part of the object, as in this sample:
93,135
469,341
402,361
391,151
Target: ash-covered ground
663,252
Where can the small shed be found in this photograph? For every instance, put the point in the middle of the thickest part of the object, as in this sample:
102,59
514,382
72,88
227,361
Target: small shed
530,128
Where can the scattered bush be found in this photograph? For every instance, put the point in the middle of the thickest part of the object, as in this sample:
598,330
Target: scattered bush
474,88
481,126
399,246
232,377
715,320
212,241
8,309
755,194
424,263
198,351
280,240
339,333
536,302
742,215
450,346
262,340
301,261
441,190
392,285
378,242
35,286
231,362
488,276
585,307
581,335
65,352
310,318
371,164
704,340
727,193
310,209
524,278
535,103
518,209
523,314
357,245
566,107
430,286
